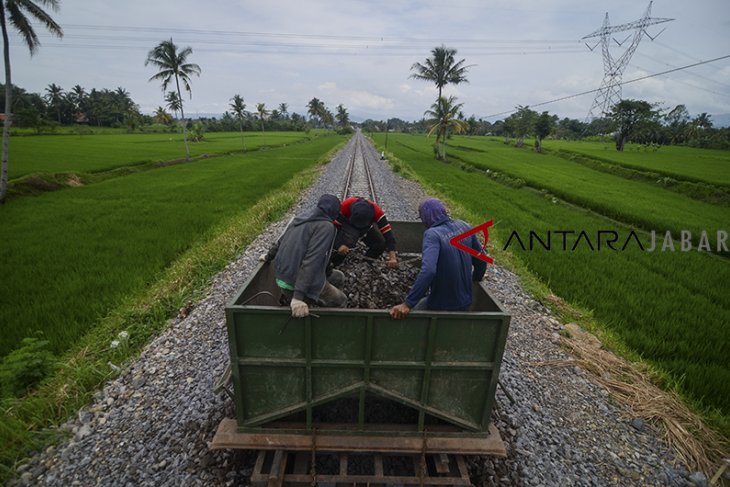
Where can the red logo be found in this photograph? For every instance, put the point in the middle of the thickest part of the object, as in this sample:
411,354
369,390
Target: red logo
481,255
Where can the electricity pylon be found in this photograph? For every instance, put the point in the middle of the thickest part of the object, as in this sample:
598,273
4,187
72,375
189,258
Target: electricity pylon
613,69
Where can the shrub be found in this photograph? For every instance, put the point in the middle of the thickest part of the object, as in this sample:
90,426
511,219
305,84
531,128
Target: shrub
25,366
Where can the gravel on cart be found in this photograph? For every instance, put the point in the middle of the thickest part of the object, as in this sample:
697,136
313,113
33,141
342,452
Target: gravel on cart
150,426
370,284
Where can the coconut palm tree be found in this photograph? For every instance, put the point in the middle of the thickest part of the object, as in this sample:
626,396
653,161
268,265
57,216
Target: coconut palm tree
441,68
162,117
239,110
54,98
79,98
316,108
443,119
15,11
262,113
173,102
342,117
284,110
173,64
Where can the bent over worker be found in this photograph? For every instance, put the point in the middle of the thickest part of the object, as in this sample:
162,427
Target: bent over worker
301,256
355,222
445,280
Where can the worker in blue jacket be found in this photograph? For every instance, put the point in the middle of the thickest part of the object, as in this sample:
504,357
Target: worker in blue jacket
445,280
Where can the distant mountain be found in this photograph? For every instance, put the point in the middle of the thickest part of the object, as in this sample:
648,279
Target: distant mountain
721,120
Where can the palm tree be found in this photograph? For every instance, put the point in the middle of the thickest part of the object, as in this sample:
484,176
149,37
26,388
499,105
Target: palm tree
262,113
123,99
444,119
173,102
441,68
173,64
343,118
16,14
315,108
162,117
239,110
283,109
79,98
54,97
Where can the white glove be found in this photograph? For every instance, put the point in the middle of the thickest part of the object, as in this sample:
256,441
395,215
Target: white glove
262,257
299,309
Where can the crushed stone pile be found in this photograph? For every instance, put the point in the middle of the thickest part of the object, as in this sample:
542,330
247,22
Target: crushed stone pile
370,284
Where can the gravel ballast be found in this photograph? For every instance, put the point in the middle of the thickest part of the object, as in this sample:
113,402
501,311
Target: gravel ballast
150,426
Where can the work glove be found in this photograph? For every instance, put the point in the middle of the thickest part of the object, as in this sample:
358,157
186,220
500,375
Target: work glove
299,309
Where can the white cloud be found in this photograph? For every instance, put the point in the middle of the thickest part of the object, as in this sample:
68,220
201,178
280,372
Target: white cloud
370,101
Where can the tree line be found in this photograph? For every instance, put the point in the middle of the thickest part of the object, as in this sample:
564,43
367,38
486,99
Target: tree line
634,121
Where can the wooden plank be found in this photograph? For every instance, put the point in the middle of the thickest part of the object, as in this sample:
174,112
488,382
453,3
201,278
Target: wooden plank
461,465
227,436
278,468
258,479
378,460
442,463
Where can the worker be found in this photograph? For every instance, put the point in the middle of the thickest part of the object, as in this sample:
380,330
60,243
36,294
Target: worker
445,280
354,223
301,256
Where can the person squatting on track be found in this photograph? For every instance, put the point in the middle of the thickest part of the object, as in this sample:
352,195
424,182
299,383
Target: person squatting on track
301,256
355,222
445,270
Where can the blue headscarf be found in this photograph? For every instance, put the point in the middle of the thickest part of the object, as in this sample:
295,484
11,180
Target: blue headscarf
432,211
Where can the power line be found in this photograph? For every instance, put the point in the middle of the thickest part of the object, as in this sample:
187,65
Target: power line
688,72
694,58
288,45
689,84
262,49
622,83
107,28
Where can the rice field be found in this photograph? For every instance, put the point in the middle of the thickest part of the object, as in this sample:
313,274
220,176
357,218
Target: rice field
93,153
69,257
670,308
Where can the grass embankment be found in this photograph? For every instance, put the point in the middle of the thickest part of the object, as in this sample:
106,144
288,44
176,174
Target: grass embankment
633,202
669,309
164,234
49,154
703,165
702,179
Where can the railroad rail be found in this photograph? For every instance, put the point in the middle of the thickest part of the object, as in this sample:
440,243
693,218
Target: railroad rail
358,181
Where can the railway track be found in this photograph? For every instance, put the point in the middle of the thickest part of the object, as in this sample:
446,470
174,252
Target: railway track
358,181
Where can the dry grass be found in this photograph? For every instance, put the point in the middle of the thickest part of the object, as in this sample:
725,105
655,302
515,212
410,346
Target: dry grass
696,445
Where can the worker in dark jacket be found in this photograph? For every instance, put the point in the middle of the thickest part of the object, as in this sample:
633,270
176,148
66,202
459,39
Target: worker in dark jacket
446,271
301,256
355,222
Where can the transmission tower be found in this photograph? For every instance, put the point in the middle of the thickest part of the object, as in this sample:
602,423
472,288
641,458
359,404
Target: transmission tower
613,69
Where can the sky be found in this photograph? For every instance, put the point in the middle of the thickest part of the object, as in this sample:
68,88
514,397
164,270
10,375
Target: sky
359,53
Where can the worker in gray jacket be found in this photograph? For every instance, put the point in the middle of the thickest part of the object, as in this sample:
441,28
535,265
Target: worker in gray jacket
301,256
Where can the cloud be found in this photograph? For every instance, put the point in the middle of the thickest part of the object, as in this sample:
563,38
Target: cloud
370,101
354,99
